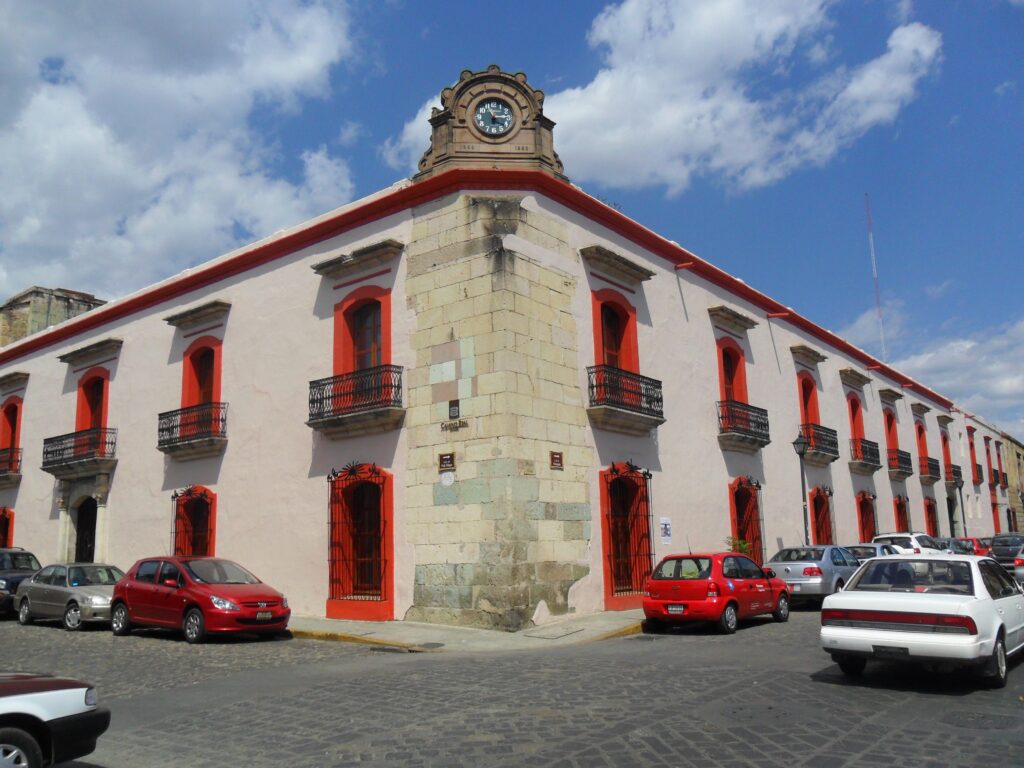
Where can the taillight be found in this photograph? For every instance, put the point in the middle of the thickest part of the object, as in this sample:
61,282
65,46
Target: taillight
916,622
712,589
647,589
812,570
917,550
1018,562
833,616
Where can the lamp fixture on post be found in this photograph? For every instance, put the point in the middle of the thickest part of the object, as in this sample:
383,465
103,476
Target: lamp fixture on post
827,490
800,446
963,510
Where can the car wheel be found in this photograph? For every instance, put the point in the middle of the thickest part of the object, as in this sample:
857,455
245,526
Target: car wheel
24,613
995,670
652,627
194,626
781,612
72,617
120,623
19,748
727,621
852,665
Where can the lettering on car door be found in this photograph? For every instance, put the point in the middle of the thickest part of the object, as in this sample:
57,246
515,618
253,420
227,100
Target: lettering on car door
757,585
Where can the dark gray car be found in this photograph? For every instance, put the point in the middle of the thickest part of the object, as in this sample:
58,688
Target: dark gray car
870,549
1006,547
75,593
813,572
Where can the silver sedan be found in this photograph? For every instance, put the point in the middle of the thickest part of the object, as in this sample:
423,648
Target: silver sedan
814,572
75,593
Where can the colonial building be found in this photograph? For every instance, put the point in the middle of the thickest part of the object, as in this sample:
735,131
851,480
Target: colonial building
37,308
480,396
1013,465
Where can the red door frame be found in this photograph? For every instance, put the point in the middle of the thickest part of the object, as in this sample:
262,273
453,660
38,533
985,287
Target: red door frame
340,485
743,498
7,516
901,514
931,517
183,523
996,524
821,516
638,535
866,526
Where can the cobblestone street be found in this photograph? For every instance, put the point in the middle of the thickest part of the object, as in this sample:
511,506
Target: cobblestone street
764,697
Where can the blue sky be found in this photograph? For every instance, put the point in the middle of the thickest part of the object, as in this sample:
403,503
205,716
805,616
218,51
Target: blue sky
139,138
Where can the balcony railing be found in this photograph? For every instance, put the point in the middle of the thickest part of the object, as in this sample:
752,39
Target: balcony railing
953,473
929,469
822,444
742,427
623,401
361,402
80,454
900,464
864,456
193,432
10,467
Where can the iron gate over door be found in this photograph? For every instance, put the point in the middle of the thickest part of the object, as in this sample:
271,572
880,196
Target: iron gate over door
191,535
630,527
356,533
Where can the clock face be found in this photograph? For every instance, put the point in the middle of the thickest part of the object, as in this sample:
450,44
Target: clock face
493,117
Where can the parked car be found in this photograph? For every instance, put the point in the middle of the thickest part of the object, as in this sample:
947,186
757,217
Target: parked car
75,593
982,547
1006,549
47,720
813,572
945,610
909,543
868,550
197,595
16,564
723,587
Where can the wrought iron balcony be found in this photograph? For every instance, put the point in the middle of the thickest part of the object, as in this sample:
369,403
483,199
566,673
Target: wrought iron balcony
622,401
953,473
822,444
80,454
742,427
900,464
864,456
10,467
979,478
194,432
929,469
358,403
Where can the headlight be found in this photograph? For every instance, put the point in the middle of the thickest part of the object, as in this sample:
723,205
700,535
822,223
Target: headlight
223,603
90,697
3,583
284,601
97,600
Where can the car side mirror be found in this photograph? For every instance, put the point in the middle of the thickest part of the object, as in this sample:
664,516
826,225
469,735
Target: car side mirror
769,573
171,583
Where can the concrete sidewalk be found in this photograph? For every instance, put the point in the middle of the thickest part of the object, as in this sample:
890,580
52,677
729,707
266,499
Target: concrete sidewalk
416,637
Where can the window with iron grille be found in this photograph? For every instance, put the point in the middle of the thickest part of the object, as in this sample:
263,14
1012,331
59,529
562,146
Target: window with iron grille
358,530
194,510
629,549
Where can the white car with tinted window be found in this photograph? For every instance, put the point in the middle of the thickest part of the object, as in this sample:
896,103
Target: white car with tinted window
909,543
943,610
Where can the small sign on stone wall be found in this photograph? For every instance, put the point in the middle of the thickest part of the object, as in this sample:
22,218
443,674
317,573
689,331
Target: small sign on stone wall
557,461
453,409
445,462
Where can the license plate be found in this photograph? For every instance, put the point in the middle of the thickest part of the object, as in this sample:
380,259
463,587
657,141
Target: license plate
676,608
264,615
795,587
890,651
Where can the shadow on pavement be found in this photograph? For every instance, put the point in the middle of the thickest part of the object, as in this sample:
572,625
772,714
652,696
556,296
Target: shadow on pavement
912,678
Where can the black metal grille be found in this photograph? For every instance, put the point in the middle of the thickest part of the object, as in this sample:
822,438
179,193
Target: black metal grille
929,467
734,416
365,390
865,451
630,527
193,423
357,529
613,386
821,439
900,461
953,472
87,444
10,460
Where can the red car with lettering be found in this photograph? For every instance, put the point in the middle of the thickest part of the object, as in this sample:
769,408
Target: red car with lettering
724,588
199,596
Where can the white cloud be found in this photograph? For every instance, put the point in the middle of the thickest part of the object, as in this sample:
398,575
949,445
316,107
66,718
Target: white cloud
403,152
125,144
1006,86
983,373
938,291
692,89
864,333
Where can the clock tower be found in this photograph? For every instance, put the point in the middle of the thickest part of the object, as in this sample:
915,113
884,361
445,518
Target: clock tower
490,119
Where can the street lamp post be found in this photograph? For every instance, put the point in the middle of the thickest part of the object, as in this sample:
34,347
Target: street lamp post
963,511
800,446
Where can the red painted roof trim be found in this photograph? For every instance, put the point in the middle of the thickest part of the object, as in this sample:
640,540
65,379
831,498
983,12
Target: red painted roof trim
430,189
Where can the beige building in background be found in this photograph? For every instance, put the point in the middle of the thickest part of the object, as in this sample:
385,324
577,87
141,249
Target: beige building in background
37,308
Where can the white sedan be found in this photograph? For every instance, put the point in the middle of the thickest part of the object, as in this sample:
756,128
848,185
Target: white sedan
945,610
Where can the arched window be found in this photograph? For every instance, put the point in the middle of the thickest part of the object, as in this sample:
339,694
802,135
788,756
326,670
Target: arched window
732,371
6,527
821,516
947,460
746,517
362,330
10,435
892,437
856,416
360,544
195,522
615,340
922,440
808,390
867,525
364,325
91,416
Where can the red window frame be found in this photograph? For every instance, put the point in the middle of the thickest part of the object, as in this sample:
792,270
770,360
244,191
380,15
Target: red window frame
807,392
988,461
745,514
736,388
856,411
820,509
345,343
626,357
931,517
184,541
192,387
866,526
999,460
996,525
974,455
342,488
892,434
947,460
91,414
10,432
6,527
901,515
922,440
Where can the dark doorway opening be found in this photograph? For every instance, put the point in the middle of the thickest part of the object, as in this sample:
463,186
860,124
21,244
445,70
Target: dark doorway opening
85,531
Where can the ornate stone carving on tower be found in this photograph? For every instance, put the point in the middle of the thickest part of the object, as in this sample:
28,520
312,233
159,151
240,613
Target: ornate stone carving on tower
490,119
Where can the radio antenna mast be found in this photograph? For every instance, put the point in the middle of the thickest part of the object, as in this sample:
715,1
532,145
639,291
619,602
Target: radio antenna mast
874,274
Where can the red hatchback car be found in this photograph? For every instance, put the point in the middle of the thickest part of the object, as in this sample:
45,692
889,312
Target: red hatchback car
198,595
724,588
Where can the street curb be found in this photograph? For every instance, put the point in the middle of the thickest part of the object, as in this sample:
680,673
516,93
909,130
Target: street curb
634,629
341,637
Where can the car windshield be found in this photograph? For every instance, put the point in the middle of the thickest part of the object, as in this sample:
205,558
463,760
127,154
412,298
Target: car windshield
896,541
986,542
927,541
863,552
962,547
22,561
923,576
94,575
683,568
798,554
219,572
1008,541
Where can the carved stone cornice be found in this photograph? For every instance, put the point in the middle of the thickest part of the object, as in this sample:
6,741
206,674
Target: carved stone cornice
919,409
106,348
730,319
13,381
367,256
614,265
809,356
853,378
211,311
889,395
